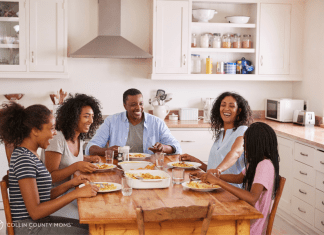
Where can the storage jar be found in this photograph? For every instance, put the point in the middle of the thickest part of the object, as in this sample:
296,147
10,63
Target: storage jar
195,63
193,40
246,41
217,42
230,68
204,40
237,41
226,41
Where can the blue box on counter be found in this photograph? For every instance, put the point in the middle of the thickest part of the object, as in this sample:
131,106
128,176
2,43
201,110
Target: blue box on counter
230,68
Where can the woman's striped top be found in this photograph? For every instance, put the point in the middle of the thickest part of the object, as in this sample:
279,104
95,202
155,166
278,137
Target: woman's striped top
25,164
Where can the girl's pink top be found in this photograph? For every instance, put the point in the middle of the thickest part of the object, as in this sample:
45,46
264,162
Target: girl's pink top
264,175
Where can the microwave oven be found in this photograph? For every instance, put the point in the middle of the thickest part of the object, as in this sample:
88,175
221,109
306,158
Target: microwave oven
282,110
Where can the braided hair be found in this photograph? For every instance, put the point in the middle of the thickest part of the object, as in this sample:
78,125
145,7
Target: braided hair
16,122
68,116
260,142
243,118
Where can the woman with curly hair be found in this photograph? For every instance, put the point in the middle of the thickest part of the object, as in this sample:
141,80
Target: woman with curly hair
76,119
230,117
32,198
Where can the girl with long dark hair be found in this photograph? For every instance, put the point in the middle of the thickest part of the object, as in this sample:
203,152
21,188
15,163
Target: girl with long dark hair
32,198
260,177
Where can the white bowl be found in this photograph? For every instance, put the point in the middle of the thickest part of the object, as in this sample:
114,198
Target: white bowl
238,19
203,15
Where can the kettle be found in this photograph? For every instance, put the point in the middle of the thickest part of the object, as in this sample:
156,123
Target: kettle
247,66
161,111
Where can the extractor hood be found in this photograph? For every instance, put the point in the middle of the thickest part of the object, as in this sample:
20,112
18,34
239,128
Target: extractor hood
110,43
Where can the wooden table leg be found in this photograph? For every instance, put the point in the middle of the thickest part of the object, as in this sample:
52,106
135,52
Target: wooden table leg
243,227
96,229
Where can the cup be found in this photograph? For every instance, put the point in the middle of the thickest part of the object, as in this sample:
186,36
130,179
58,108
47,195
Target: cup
126,186
159,159
125,151
109,156
177,175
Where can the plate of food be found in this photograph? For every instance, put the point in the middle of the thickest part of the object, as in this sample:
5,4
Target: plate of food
185,165
200,186
138,155
103,167
142,165
105,187
148,177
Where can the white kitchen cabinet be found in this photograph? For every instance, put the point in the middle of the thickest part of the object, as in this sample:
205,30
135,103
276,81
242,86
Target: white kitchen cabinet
42,40
274,38
171,37
285,148
194,141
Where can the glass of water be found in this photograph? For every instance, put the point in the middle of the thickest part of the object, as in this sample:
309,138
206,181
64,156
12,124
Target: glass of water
159,159
126,187
177,175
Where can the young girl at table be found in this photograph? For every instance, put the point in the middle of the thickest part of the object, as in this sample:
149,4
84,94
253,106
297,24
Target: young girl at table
260,178
32,198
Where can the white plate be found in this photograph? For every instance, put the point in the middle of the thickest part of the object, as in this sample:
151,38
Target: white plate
131,166
105,191
184,184
132,155
104,170
147,184
195,165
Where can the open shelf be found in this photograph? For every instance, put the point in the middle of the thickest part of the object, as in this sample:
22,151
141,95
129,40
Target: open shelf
222,25
9,45
227,50
9,19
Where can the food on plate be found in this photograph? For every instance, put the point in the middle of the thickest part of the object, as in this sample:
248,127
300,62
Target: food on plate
104,166
182,164
148,167
106,187
145,176
136,155
200,185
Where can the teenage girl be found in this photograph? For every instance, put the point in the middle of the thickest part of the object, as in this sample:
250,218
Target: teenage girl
32,198
260,177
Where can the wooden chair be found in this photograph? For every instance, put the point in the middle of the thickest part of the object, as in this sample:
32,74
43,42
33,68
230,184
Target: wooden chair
6,205
182,212
9,149
275,204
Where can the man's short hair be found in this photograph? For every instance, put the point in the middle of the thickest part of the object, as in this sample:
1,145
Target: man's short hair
131,91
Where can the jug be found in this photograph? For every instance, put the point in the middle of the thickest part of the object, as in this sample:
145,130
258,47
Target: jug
161,111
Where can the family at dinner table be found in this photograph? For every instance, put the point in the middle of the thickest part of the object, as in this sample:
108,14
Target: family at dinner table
243,160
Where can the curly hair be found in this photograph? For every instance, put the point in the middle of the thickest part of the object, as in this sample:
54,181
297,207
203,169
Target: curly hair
16,122
260,142
68,115
131,91
243,118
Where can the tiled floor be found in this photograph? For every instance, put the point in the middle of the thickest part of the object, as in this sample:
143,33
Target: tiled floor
281,227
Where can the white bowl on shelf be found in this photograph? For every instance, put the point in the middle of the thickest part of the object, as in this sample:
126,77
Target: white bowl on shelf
203,15
237,19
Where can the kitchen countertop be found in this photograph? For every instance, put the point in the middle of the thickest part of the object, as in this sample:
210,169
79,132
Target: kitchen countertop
310,135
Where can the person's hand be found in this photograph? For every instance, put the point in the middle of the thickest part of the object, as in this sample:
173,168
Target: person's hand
94,158
86,167
158,147
115,149
209,178
217,172
187,157
196,175
89,190
80,179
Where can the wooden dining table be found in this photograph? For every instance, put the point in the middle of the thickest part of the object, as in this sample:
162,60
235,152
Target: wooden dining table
113,213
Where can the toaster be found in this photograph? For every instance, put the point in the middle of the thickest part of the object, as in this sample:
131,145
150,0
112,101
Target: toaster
304,118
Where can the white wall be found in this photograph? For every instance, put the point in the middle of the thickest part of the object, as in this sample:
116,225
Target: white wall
107,79
312,86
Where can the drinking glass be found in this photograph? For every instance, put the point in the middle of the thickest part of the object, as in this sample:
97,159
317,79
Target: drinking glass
159,159
126,187
109,156
177,175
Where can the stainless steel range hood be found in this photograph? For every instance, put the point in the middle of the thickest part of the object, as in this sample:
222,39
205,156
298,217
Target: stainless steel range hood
110,43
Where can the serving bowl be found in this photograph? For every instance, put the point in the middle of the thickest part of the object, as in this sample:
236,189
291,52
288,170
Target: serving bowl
203,15
237,19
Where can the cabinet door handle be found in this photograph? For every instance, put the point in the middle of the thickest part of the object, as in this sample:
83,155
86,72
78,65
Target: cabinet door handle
187,141
302,191
304,154
301,210
322,162
261,60
303,173
32,57
184,59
